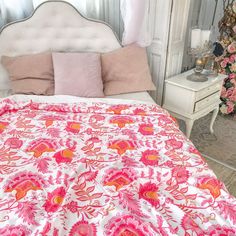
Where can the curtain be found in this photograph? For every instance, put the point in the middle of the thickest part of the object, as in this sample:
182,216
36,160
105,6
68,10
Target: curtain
11,10
133,12
135,17
89,8
1,18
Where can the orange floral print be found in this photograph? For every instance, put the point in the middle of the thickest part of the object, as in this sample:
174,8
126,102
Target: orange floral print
121,146
121,121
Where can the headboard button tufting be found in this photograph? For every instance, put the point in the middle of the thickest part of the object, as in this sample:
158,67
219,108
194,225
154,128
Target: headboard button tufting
56,26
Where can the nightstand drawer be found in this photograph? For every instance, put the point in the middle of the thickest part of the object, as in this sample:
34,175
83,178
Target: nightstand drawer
207,101
207,91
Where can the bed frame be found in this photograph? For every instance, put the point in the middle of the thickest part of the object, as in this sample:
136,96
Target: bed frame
54,26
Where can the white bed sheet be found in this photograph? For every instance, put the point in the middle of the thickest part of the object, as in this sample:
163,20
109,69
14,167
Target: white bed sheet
131,98
139,96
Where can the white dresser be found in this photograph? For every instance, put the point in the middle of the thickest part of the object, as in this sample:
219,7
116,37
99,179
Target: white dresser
190,101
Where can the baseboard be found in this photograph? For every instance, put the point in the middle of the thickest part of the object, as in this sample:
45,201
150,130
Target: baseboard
219,162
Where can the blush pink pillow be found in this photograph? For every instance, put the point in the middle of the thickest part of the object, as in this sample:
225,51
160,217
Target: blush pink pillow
126,70
78,74
30,74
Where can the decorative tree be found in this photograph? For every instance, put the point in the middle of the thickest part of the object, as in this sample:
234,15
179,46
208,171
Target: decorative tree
227,61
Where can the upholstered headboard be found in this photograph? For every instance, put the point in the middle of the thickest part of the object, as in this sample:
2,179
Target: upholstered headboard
54,26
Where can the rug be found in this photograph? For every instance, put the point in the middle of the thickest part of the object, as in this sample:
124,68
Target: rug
221,145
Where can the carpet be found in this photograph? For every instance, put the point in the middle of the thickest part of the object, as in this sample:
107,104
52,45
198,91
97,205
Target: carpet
222,144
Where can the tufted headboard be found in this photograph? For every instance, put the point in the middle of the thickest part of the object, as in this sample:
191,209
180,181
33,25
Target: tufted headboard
54,26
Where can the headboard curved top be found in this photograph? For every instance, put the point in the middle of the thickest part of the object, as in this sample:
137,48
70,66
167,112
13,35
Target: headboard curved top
54,26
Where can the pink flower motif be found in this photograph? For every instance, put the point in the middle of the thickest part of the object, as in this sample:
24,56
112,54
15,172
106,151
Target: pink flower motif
229,92
117,109
23,182
223,92
31,114
150,157
73,127
216,230
146,129
180,174
122,146
54,132
223,64
83,228
232,48
148,192
232,58
232,76
226,60
94,140
90,175
3,126
191,226
14,143
128,225
41,146
230,107
64,156
210,184
18,230
173,144
121,121
232,97
72,206
169,164
55,200
140,112
119,177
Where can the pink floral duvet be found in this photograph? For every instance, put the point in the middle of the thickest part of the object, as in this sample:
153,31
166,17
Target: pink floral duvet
100,169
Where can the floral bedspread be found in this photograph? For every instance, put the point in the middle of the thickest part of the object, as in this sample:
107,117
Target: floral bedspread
100,169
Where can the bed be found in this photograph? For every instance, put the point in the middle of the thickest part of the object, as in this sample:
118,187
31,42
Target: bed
98,166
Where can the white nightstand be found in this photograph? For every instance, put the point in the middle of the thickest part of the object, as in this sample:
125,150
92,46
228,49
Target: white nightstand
190,101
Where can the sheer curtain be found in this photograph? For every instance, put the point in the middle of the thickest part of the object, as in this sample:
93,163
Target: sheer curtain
136,25
134,14
89,8
11,10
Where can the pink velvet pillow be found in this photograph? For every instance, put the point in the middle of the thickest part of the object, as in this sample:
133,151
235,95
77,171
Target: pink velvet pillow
126,70
30,74
78,74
